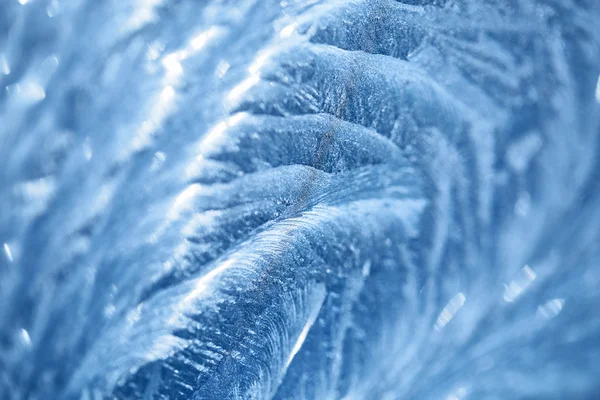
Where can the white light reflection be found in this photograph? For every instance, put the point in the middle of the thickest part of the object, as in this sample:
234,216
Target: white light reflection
211,141
458,393
8,252
262,58
520,154
27,93
162,108
254,74
158,160
551,308
165,102
172,65
172,62
242,88
25,338
184,201
88,153
143,13
53,8
259,62
288,30
202,286
309,323
222,68
455,304
4,67
216,134
199,41
598,90
523,205
518,285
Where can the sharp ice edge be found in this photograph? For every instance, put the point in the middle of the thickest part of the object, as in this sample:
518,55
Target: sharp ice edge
305,199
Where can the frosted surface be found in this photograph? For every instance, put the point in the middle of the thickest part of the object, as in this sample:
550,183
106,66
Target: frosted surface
301,199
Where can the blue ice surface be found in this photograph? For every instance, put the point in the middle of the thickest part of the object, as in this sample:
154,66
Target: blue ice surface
299,199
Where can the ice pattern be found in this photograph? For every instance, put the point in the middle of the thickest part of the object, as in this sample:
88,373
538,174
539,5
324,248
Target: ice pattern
299,199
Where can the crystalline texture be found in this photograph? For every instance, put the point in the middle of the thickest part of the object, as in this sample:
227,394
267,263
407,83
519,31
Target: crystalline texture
363,199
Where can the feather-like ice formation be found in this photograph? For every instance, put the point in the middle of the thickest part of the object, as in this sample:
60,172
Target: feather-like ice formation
304,199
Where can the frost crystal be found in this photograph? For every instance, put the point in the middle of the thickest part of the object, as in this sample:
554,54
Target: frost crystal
303,199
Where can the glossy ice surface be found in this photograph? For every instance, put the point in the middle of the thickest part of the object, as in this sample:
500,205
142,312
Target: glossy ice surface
301,199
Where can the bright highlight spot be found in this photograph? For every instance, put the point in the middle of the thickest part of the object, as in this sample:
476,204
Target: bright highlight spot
288,31
455,304
519,284
242,88
4,67
25,339
551,308
8,252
